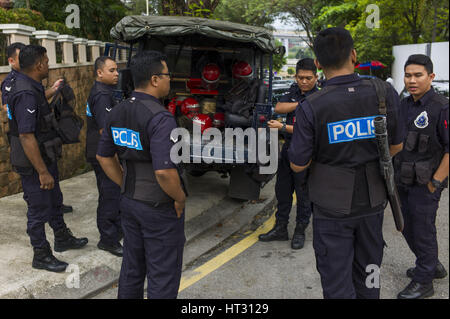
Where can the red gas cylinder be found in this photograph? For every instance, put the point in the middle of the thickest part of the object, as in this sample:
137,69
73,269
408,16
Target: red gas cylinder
172,107
203,120
219,120
190,105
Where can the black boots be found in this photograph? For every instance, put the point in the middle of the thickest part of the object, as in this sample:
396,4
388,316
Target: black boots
116,249
439,273
278,232
64,240
298,240
44,259
416,290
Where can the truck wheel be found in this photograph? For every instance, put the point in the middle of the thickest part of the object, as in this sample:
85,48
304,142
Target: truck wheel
242,186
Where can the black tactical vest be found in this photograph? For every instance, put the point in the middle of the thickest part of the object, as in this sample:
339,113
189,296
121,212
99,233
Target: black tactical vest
50,145
345,175
92,134
422,153
128,123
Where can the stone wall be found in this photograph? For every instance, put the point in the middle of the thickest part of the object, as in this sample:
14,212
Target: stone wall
81,79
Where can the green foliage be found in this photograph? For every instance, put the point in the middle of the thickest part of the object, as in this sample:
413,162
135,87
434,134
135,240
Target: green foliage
198,10
291,71
401,22
97,17
258,13
278,60
31,18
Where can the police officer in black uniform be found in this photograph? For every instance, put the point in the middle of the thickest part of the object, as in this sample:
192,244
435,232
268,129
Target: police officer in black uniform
99,104
152,204
422,173
12,52
334,136
35,149
288,181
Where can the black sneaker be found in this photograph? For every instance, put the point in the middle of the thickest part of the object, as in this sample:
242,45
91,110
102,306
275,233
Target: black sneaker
116,249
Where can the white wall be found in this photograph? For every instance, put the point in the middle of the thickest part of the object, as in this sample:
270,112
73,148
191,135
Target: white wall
439,56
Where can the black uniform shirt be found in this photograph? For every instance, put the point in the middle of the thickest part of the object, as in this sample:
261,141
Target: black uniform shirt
407,109
102,104
294,95
26,106
302,144
7,85
158,130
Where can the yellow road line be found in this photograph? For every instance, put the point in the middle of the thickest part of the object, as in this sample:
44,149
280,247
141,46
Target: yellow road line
227,255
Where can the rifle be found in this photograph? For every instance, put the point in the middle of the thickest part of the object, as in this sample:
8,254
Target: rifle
387,169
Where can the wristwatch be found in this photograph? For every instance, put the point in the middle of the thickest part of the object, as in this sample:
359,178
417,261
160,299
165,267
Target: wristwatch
283,129
436,183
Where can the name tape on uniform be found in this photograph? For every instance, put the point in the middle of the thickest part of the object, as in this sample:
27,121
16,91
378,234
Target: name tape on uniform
127,138
350,130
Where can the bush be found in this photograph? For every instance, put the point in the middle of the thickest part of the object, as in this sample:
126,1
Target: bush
291,71
31,18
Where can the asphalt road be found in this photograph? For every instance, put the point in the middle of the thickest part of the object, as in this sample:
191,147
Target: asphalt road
240,267
274,270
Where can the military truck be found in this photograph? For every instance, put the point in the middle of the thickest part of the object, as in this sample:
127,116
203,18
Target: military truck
217,80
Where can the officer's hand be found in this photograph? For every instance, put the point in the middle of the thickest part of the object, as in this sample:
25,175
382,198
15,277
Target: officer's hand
56,85
431,188
47,181
274,124
179,208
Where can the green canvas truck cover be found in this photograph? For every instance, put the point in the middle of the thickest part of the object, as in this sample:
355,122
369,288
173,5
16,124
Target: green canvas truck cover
131,28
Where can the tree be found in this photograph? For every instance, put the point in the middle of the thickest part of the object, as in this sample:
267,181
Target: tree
97,17
279,60
252,12
401,22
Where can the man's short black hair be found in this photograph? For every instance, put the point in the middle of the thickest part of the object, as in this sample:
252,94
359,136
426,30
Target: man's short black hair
11,50
100,63
30,55
333,47
420,59
144,65
306,64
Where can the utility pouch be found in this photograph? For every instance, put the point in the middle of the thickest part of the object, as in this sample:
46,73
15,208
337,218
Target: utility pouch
17,155
423,143
375,182
331,187
407,173
423,172
411,141
47,123
53,149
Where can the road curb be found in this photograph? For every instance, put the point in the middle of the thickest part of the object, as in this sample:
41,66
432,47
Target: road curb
105,275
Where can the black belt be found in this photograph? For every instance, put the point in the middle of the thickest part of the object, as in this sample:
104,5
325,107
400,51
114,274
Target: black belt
159,205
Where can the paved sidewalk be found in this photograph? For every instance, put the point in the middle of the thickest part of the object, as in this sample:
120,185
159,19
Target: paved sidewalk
207,206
